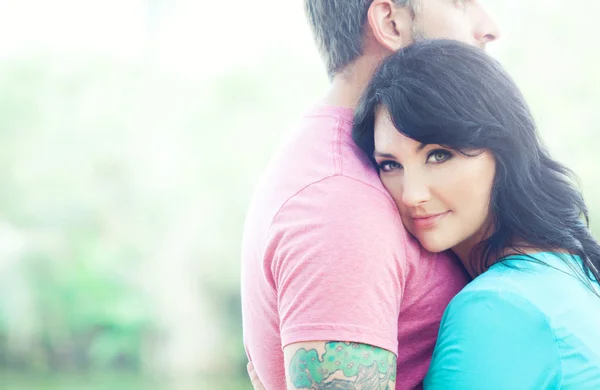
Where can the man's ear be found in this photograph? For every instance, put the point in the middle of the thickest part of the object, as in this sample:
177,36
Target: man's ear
391,25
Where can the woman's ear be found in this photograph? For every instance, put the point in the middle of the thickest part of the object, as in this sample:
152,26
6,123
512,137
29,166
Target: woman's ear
390,24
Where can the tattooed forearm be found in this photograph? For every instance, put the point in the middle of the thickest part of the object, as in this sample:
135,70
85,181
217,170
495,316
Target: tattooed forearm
343,366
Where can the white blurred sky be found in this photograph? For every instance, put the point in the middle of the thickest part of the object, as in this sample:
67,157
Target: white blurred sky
192,36
197,37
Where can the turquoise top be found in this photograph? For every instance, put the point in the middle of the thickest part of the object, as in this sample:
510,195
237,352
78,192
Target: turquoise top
521,325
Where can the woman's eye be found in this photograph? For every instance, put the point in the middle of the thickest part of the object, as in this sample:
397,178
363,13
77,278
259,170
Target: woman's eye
439,156
387,166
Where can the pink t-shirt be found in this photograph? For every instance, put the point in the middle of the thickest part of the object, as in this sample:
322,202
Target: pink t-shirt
325,258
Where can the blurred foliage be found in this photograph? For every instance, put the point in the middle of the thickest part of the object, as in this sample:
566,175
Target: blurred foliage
106,214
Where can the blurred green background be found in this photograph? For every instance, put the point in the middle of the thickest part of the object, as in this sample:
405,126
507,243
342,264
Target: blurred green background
132,133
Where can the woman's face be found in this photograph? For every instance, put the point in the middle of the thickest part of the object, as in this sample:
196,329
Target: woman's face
443,196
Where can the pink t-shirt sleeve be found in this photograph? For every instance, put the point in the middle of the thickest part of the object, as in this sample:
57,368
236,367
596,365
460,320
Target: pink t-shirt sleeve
339,264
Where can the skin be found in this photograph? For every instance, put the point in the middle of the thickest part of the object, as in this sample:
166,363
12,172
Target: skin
443,195
388,29
342,366
463,20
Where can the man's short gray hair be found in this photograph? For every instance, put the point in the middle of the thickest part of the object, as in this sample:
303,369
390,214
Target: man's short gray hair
338,27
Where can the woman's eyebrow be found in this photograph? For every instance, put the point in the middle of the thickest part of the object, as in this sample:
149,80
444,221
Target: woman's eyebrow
421,147
383,155
388,155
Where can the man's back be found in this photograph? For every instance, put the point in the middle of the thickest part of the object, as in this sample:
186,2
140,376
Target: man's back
325,257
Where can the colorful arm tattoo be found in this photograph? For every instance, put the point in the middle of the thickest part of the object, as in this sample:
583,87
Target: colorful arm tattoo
361,366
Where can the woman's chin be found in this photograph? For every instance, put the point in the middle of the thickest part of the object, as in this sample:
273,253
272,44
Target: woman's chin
430,240
433,246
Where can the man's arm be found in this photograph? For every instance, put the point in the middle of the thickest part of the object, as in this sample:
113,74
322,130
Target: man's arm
322,365
339,272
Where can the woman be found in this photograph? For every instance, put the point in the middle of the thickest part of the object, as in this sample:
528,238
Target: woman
456,147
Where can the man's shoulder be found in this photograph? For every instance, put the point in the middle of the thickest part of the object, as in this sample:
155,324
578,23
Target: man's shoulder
318,162
320,190
343,197
325,111
322,122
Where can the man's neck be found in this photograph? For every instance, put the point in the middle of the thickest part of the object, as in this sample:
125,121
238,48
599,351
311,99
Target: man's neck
343,93
347,86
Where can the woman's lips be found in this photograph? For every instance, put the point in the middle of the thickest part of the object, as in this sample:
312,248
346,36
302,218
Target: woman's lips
428,221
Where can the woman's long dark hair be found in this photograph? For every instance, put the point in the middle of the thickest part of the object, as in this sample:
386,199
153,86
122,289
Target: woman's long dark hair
448,93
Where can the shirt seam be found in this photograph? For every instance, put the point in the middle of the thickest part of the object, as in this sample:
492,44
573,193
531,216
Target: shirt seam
326,327
402,237
321,181
332,326
336,147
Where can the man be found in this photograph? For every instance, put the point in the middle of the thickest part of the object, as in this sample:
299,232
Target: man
335,293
